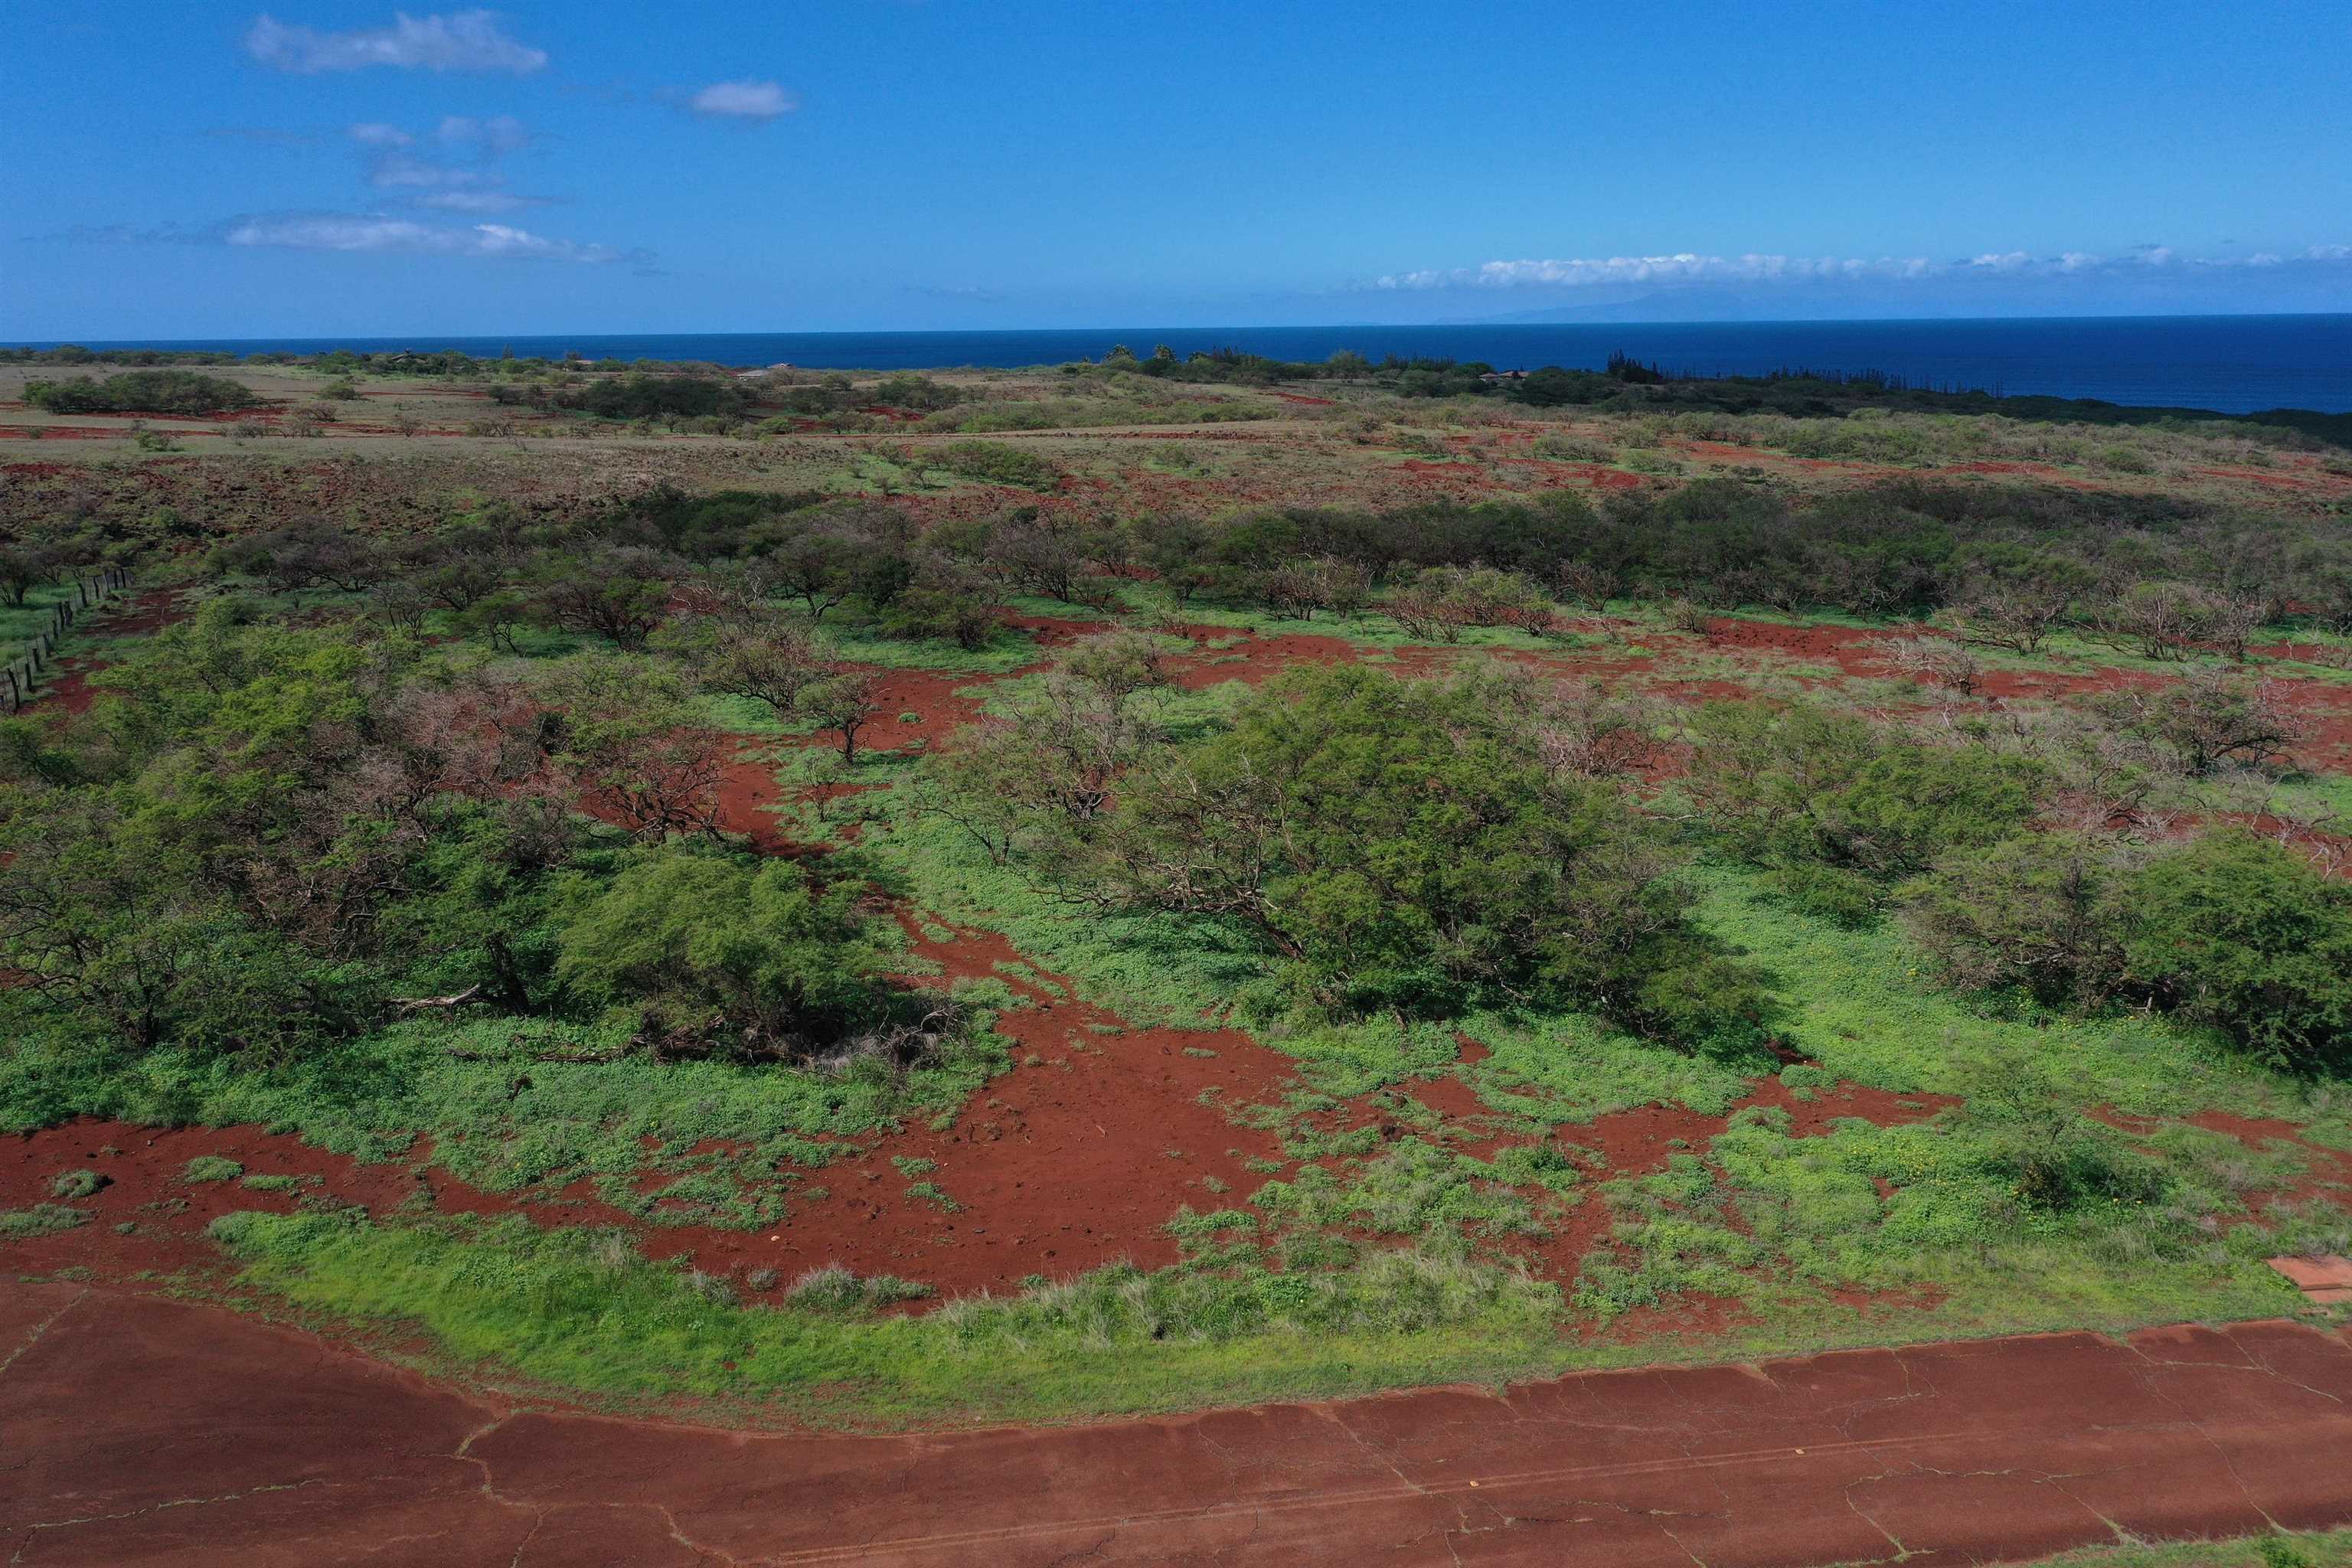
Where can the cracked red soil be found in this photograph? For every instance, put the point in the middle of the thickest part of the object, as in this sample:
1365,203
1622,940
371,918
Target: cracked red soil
150,1432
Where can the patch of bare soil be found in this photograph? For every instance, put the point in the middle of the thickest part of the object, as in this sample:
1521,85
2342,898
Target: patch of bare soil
229,1441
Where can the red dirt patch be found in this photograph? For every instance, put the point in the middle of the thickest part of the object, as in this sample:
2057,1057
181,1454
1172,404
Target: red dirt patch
748,794
1300,397
1257,659
1642,1141
150,611
931,697
1842,1101
1072,1159
1075,1157
143,1168
230,1441
2329,1177
1056,631
2044,472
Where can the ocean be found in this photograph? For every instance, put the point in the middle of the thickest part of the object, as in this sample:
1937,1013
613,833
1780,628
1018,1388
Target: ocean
2235,365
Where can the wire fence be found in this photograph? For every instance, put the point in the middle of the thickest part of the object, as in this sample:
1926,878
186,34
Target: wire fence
22,675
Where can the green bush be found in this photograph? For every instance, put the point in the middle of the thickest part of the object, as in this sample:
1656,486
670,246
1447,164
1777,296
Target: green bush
2245,933
141,392
747,958
996,463
2230,930
1801,787
2042,912
1396,844
834,1290
210,1168
41,1219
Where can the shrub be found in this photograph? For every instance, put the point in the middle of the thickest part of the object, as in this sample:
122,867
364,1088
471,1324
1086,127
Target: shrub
833,1289
2026,1127
2230,929
210,1168
81,1184
2210,716
722,955
2040,912
1397,843
1803,785
41,1219
996,463
141,392
2245,933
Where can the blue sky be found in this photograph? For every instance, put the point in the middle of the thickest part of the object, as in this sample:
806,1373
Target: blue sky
324,168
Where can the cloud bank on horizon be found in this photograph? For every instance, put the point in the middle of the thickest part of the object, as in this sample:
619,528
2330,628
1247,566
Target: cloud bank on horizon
1689,266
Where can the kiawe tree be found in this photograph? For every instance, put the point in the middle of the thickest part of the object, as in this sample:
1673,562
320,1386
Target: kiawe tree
1396,847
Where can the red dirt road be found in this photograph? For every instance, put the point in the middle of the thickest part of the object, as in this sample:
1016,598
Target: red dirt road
144,1431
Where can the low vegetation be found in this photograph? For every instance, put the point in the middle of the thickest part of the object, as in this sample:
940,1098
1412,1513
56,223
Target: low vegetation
141,392
1954,866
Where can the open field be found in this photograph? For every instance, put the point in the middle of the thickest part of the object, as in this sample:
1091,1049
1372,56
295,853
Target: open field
1020,897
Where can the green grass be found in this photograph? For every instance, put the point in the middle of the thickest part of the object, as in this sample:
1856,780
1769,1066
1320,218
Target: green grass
675,1143
581,1310
41,1219
2283,1549
1775,1220
1864,1005
20,623
1372,1266
1007,651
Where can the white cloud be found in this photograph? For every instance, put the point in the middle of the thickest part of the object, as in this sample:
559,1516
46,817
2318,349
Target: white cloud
376,233
744,99
472,183
479,201
398,172
1682,267
469,41
492,138
1690,267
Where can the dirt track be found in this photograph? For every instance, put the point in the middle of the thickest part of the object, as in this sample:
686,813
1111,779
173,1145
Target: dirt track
142,1431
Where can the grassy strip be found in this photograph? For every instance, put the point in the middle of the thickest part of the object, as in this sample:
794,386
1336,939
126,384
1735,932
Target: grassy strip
579,1310
2281,1549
